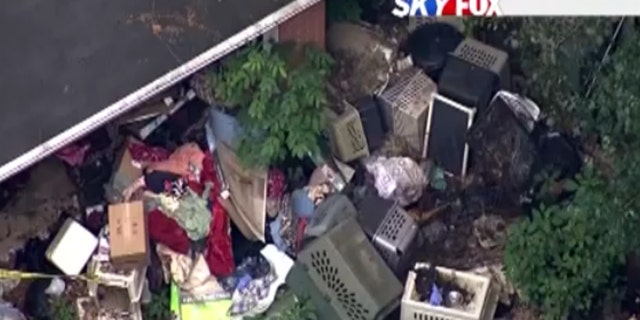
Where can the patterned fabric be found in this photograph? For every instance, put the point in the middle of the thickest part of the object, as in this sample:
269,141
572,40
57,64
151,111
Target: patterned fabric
276,184
246,298
288,225
176,188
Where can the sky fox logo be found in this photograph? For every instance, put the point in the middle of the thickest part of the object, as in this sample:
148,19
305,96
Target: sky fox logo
434,8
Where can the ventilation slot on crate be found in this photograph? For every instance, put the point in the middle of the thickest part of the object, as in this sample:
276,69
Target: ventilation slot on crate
397,239
329,274
486,57
344,276
406,105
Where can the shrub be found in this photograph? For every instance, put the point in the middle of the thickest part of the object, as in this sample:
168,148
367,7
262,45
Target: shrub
281,99
563,256
566,255
556,55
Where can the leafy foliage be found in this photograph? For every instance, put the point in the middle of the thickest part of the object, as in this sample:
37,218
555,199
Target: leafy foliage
565,255
301,310
281,98
62,309
158,308
343,10
557,55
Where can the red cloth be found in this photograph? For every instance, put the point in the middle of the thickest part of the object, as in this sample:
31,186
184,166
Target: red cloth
165,230
143,153
219,254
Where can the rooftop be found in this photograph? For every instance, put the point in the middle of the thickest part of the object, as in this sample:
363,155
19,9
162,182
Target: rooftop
65,61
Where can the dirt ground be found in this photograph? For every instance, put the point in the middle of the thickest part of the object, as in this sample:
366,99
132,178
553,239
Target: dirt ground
35,208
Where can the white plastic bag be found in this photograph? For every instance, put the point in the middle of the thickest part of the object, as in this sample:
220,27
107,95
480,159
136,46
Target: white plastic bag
8,312
398,178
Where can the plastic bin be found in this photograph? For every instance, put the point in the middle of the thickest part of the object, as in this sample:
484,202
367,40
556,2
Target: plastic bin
406,105
482,307
328,214
487,57
392,230
105,274
344,276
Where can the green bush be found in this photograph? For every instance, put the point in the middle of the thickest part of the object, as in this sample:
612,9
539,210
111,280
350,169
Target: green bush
159,307
281,99
63,309
557,56
566,255
343,10
563,256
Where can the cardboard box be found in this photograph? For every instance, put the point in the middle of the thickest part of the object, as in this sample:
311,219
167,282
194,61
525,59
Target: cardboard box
128,235
247,204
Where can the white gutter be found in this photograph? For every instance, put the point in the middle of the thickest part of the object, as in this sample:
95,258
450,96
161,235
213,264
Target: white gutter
132,100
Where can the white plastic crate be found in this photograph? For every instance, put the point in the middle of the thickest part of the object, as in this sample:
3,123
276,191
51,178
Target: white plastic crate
104,273
482,307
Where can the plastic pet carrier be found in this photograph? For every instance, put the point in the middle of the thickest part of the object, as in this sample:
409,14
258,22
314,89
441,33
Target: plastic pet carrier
344,276
392,230
483,296
406,105
467,83
346,133
487,57
328,214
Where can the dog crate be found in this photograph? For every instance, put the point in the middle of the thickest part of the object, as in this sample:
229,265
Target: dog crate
487,57
328,214
467,83
344,276
346,134
392,230
482,305
406,105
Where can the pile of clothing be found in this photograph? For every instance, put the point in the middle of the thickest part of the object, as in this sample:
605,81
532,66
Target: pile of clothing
184,213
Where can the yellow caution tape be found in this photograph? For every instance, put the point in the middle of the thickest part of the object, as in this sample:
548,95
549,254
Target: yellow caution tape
14,274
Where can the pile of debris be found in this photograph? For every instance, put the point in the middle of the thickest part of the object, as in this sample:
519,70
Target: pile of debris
165,201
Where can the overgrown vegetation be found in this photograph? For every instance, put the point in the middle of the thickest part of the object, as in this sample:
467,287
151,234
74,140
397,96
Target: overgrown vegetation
343,10
62,309
566,256
158,308
557,56
280,92
301,310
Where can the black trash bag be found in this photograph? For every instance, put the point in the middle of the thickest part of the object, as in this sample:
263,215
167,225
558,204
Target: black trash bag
32,259
155,275
430,44
557,151
502,151
37,306
180,127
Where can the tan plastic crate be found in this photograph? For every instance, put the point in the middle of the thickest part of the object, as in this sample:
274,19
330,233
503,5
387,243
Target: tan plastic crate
487,57
483,306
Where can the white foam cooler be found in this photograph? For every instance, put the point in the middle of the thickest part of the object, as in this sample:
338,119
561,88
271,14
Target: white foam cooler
72,247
